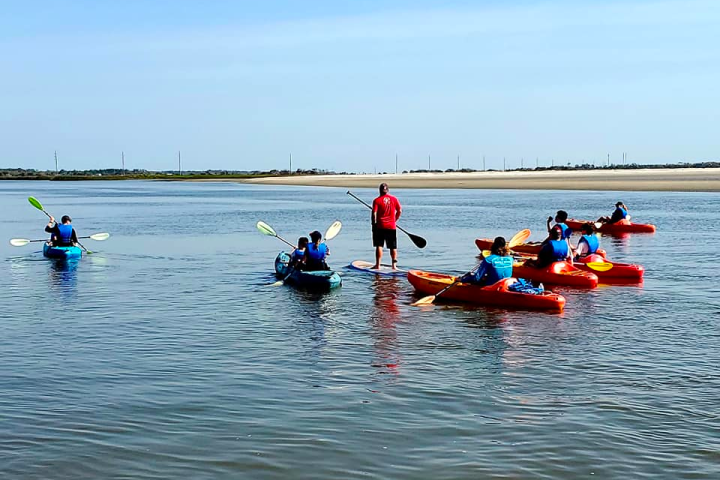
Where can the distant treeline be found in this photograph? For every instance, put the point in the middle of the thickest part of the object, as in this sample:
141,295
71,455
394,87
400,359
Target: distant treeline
118,174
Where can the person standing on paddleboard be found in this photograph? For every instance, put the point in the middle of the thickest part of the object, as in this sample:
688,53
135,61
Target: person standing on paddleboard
386,210
61,234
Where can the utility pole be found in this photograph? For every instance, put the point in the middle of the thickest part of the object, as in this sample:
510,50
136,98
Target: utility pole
428,162
179,164
122,154
552,162
458,162
608,159
484,164
56,163
537,162
396,164
522,162
503,164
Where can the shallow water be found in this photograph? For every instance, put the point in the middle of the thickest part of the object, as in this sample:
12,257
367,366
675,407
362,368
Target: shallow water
166,355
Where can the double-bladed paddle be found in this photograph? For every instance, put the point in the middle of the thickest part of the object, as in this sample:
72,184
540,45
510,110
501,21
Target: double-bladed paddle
416,239
518,238
36,203
21,242
266,229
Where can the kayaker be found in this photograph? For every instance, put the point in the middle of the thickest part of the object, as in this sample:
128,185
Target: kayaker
299,253
315,253
554,250
620,213
386,210
560,218
61,234
494,267
588,243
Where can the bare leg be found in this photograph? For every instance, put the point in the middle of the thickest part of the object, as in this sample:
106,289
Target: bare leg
393,255
378,258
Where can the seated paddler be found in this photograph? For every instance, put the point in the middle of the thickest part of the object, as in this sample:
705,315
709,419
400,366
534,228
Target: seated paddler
588,243
316,253
555,249
494,267
61,234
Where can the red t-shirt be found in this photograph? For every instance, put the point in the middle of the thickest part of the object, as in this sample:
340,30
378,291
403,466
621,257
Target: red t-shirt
388,209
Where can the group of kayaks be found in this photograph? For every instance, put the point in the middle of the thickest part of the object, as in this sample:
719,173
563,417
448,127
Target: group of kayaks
584,273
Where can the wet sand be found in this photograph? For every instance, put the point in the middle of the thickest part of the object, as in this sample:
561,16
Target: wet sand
677,179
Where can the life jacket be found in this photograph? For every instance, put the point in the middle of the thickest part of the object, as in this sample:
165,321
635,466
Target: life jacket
64,234
497,268
315,256
553,251
564,229
618,215
298,254
592,242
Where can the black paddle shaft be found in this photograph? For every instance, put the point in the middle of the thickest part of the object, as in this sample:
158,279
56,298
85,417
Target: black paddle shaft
416,239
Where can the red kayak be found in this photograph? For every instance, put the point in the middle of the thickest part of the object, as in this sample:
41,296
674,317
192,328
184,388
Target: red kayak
619,272
558,273
623,226
531,248
496,295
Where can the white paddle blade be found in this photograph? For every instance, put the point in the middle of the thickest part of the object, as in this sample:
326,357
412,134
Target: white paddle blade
333,230
19,242
277,284
100,236
266,229
424,301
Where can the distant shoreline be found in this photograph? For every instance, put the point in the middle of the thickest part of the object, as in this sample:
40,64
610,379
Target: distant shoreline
661,180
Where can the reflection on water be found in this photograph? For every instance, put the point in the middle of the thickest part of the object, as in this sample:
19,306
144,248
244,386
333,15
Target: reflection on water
384,316
63,278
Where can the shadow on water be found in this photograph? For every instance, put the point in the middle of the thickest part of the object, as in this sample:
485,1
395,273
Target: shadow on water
385,314
62,277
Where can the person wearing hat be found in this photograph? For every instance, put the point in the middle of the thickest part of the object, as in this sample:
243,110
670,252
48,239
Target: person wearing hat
61,234
316,253
620,213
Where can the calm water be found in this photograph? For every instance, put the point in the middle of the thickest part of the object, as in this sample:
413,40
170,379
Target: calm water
165,355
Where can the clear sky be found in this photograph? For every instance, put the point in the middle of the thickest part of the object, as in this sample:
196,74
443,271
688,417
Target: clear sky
347,85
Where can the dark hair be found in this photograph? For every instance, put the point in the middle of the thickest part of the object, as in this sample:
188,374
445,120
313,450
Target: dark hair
499,247
303,241
66,218
315,236
383,188
562,215
555,233
588,228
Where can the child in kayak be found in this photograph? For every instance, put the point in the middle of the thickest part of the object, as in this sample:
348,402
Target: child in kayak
554,250
61,234
495,267
588,243
315,253
560,219
620,213
299,253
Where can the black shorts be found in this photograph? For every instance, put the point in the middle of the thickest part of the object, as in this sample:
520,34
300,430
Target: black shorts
385,236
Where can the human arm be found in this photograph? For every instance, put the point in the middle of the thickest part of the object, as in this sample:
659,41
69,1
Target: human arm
398,209
477,275
74,237
549,220
51,226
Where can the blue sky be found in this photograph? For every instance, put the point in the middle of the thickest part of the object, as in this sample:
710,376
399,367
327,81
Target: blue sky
347,85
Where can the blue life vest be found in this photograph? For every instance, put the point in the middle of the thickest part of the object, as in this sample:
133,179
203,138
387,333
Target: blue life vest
497,268
554,251
316,253
298,254
65,234
619,214
623,212
592,242
566,231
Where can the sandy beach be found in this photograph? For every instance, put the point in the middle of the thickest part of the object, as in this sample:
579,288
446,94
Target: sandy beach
680,180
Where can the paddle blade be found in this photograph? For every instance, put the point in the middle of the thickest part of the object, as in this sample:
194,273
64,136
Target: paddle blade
35,203
600,266
519,238
333,230
424,301
19,242
99,236
277,284
266,229
486,253
418,241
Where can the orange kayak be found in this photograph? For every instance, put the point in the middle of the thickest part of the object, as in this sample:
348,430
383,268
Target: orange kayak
623,226
531,248
496,295
620,272
558,273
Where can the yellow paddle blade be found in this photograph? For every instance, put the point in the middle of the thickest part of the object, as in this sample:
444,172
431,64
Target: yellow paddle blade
277,284
424,301
99,236
519,238
486,253
600,266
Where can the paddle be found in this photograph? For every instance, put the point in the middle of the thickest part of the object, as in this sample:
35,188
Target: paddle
517,239
599,266
36,203
416,239
330,233
21,242
266,229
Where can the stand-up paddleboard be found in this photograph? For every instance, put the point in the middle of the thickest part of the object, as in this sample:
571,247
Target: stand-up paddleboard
385,270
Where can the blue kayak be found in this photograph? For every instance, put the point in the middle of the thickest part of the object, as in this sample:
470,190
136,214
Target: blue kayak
61,252
315,280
